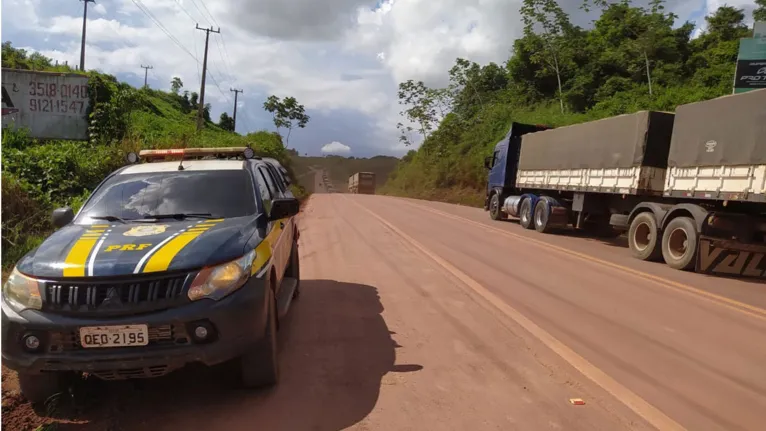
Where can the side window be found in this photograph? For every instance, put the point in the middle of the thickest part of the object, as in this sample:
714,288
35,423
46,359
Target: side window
269,181
277,179
263,190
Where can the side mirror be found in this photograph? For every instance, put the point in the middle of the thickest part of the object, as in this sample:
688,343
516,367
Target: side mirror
488,162
62,216
284,207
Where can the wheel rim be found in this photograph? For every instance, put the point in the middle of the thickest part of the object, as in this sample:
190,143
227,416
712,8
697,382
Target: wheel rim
494,204
524,212
642,236
678,243
539,217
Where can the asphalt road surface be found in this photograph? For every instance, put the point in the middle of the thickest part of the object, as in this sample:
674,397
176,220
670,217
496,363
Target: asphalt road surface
426,316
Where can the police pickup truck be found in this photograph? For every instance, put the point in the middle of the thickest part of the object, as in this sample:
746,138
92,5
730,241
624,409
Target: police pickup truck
181,256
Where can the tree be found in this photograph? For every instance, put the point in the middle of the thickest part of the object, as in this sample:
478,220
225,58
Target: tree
286,113
555,27
759,14
176,85
420,109
226,122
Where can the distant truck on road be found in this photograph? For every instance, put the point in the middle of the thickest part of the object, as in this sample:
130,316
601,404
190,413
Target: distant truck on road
362,182
688,188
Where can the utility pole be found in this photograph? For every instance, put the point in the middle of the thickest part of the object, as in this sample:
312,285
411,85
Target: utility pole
200,117
236,93
146,73
84,22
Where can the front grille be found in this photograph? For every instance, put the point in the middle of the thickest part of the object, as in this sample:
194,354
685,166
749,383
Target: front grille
114,297
161,335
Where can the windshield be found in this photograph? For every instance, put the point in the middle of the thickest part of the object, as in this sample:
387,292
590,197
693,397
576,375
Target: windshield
221,194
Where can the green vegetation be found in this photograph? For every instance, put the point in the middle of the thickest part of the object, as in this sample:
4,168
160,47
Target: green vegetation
38,176
559,74
339,168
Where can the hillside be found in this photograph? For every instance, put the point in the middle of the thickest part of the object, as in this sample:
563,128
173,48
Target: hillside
631,59
339,168
38,176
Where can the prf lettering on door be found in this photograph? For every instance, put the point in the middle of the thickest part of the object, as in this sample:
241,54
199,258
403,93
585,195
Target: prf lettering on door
127,247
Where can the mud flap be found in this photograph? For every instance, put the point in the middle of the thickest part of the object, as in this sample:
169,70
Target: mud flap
730,258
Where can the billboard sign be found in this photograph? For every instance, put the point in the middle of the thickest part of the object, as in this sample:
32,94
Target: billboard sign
50,105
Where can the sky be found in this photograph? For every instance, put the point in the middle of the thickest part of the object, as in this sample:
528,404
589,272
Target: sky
341,59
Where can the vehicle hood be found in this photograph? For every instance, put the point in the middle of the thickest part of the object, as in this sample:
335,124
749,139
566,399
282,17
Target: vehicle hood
117,249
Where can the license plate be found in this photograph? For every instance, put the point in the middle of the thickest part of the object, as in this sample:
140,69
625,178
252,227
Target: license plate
114,336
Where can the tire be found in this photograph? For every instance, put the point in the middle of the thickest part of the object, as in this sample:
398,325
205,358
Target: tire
542,216
259,367
295,269
643,237
37,388
525,214
495,213
679,244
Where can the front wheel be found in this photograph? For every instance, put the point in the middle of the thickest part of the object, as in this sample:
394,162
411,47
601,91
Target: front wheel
495,213
679,243
294,270
37,388
259,366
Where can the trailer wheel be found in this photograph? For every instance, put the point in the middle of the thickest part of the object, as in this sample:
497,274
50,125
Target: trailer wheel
495,213
643,238
679,243
525,214
542,216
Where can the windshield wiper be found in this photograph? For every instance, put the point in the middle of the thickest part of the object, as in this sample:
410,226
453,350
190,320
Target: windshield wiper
109,218
180,216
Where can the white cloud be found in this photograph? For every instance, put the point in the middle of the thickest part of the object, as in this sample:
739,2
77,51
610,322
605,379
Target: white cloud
333,56
336,147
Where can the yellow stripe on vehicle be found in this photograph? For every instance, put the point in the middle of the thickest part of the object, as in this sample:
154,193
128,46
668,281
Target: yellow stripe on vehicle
74,264
160,260
262,257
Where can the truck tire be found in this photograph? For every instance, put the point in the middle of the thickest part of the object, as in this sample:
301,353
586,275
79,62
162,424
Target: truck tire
679,243
525,214
259,366
37,388
495,213
542,216
643,237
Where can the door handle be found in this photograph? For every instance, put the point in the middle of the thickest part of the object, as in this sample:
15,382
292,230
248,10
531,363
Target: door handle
281,225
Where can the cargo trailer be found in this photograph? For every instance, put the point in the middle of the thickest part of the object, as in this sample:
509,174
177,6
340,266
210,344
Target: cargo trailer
687,187
362,182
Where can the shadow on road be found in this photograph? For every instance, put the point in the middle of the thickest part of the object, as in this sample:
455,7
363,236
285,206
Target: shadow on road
335,348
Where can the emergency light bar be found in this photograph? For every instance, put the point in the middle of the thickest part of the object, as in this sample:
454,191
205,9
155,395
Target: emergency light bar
185,153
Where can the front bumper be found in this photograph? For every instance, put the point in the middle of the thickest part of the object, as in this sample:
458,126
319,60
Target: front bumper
238,320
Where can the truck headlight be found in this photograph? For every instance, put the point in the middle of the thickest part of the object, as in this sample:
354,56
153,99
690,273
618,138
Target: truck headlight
21,292
218,281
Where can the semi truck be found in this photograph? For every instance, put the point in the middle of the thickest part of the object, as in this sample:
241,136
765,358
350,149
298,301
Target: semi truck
688,188
362,182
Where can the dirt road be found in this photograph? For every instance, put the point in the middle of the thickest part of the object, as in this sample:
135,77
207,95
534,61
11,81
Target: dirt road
427,316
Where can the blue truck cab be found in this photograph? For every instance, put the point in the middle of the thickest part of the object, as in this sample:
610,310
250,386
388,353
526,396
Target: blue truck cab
503,166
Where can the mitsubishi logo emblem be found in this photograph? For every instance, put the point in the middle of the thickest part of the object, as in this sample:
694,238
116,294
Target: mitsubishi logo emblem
112,298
